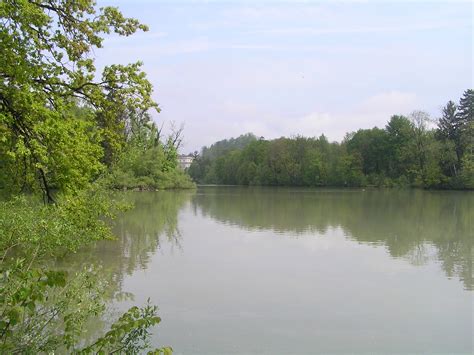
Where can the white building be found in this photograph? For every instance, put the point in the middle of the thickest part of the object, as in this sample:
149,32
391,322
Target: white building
184,161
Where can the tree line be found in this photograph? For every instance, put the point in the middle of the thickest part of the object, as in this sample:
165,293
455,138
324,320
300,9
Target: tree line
409,151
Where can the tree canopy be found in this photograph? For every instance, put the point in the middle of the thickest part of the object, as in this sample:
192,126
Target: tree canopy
408,151
54,106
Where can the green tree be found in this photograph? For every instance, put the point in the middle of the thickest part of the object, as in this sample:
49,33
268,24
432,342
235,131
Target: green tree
314,169
400,158
203,167
447,122
466,108
372,146
407,152
465,118
60,121
46,70
420,121
450,129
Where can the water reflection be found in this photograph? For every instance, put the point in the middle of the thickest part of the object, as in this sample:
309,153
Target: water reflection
407,222
243,270
139,233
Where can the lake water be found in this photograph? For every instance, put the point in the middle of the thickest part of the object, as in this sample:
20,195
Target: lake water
297,271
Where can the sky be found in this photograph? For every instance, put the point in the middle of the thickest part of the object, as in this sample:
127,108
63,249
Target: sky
281,68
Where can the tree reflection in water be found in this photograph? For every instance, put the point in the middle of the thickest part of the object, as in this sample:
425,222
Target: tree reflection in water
139,233
416,225
409,223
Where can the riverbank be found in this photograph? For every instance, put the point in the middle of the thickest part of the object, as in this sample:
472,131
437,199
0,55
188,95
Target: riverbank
344,187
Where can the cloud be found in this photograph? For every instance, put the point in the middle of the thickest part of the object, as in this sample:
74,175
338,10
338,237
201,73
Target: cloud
350,30
392,101
275,12
372,111
280,69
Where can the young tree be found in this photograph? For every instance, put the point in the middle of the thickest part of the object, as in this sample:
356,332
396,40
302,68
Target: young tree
453,126
467,164
427,151
447,124
449,133
420,120
465,117
466,107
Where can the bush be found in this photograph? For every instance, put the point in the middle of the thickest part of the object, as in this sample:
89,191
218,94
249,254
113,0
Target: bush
147,169
45,310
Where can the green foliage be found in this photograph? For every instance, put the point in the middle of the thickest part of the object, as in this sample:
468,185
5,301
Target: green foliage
465,114
286,162
145,170
222,147
30,228
400,151
467,172
372,145
44,310
46,73
203,170
60,129
455,128
129,334
146,163
47,159
407,152
466,175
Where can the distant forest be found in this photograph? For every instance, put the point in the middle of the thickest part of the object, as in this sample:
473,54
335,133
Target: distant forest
412,150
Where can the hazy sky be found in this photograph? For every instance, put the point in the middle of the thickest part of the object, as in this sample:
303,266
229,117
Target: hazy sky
281,68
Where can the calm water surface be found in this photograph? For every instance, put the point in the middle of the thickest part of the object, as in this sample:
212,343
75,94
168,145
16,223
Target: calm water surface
297,271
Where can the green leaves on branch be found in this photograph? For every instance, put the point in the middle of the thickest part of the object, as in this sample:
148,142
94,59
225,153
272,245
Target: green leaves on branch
42,310
129,334
146,163
41,231
47,311
47,78
60,127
